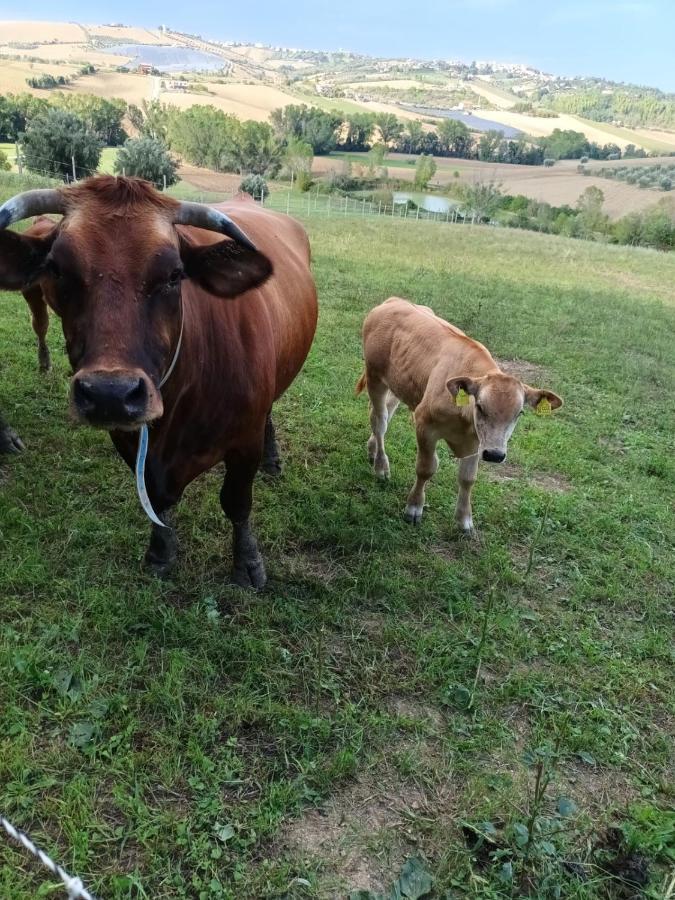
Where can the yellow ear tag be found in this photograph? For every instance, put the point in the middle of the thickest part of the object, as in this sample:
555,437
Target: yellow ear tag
543,408
461,398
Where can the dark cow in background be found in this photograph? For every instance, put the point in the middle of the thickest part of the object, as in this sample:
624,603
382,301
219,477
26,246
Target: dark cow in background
138,280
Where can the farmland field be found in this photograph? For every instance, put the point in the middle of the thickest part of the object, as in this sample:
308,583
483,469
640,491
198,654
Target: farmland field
187,739
559,185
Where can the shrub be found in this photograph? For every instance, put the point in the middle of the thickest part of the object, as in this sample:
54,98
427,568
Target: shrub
666,183
583,160
5,164
548,162
256,186
304,181
147,158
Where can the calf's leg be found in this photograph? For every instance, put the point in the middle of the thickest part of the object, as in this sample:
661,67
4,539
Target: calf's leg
236,499
425,468
379,419
40,320
468,469
271,461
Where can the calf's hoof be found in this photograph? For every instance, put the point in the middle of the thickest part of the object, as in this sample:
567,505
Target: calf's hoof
250,573
10,442
161,569
382,468
465,525
413,514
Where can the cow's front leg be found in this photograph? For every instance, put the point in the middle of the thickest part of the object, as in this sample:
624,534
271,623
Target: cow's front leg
162,552
468,469
426,467
236,498
271,461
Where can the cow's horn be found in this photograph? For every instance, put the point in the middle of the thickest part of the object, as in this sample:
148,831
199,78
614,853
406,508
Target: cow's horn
31,203
202,216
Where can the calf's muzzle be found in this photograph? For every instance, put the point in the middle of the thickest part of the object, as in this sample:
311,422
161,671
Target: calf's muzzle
494,456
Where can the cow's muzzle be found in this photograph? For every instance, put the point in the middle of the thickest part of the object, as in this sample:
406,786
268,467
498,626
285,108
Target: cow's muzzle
114,399
494,456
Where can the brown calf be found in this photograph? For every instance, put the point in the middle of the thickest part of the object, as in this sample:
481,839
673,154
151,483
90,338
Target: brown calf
453,385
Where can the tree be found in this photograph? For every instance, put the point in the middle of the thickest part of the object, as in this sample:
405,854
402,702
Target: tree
358,132
253,148
310,124
298,156
16,111
203,135
56,137
425,169
482,198
149,159
566,144
412,138
591,218
389,127
4,162
151,119
454,138
103,117
489,144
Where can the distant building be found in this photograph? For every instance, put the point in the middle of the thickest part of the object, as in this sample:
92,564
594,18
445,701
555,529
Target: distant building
145,69
177,85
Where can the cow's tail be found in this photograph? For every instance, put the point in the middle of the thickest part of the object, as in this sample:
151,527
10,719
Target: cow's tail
361,384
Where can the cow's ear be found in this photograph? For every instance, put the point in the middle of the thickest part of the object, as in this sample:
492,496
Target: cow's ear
22,258
463,383
534,396
225,269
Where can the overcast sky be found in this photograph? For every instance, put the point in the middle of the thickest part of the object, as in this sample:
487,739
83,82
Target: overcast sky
626,40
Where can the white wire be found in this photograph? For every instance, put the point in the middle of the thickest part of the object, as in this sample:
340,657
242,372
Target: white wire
73,885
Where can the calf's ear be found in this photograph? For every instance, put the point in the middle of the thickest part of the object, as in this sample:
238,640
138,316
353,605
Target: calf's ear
463,383
225,269
22,258
534,396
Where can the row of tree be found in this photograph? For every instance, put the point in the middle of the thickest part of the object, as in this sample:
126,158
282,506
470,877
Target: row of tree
637,107
105,118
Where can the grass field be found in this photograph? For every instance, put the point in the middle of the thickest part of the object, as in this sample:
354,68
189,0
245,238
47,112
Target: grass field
389,695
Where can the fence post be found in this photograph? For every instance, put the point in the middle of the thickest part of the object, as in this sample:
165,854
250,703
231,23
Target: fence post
329,198
363,208
379,211
19,161
418,214
288,203
164,180
72,159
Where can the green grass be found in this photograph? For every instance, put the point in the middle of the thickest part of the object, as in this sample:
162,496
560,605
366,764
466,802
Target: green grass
174,740
361,159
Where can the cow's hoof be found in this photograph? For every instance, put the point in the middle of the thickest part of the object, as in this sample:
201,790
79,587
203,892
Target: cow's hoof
413,514
382,469
271,467
465,526
10,442
159,568
250,574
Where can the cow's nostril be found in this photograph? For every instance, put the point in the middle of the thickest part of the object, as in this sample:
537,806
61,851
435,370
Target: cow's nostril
136,398
494,456
84,395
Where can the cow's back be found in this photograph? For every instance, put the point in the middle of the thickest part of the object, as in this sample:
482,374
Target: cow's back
267,331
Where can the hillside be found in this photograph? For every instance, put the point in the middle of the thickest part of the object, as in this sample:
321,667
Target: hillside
250,81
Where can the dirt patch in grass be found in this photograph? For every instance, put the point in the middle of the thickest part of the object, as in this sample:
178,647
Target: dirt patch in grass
596,789
548,481
415,710
360,837
521,368
313,565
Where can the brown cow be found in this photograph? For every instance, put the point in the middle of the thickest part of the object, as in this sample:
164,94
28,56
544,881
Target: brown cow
137,286
453,385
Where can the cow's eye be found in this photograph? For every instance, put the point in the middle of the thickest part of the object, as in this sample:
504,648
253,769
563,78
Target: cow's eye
175,277
480,408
